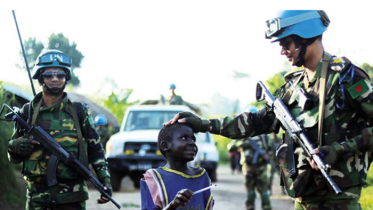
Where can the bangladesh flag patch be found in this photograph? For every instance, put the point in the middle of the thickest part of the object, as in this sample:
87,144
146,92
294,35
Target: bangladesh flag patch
91,121
358,89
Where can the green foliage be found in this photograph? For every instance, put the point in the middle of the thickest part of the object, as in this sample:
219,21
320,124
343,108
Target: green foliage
366,199
273,84
118,104
369,69
32,49
56,41
222,143
11,192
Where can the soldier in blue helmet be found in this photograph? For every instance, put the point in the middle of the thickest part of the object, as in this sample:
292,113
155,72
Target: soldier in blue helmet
330,97
102,129
175,99
71,125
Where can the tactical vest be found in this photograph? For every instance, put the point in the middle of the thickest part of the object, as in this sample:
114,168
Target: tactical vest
58,121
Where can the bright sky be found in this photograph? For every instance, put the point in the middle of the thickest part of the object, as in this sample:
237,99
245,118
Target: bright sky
147,45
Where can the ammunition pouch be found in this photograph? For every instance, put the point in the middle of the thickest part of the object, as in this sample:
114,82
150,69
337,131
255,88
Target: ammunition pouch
291,179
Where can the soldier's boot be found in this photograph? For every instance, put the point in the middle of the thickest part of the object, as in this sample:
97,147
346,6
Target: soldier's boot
250,200
249,206
266,203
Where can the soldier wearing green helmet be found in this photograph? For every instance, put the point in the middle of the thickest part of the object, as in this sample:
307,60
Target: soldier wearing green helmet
50,183
330,97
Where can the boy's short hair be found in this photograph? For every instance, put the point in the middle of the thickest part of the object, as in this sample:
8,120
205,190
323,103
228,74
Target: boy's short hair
166,133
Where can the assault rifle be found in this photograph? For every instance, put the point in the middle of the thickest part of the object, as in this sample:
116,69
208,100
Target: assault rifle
262,153
293,129
55,148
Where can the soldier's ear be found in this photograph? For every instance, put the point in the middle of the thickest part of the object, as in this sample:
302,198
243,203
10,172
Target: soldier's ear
164,145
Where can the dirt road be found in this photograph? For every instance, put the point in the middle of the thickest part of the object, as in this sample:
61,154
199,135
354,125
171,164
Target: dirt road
229,195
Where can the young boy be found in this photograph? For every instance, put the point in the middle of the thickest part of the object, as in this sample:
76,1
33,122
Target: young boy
172,186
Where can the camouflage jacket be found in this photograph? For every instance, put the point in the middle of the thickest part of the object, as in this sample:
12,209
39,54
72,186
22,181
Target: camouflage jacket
57,120
348,87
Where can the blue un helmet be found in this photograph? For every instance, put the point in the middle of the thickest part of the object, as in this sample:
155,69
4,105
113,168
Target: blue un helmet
52,58
100,119
251,108
304,23
172,86
299,24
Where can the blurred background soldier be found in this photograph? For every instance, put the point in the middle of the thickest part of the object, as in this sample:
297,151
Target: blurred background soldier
102,128
254,168
175,99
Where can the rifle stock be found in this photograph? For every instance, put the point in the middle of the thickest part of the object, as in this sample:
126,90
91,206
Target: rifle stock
292,127
56,149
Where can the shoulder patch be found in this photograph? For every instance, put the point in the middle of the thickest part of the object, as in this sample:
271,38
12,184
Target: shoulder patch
338,64
88,113
358,89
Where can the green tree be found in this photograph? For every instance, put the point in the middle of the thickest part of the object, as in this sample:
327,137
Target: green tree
118,103
369,69
55,41
12,193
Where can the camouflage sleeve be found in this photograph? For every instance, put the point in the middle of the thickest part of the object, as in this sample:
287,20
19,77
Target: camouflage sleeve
243,125
96,154
360,91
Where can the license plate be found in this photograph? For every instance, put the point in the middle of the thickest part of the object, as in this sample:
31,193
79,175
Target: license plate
140,166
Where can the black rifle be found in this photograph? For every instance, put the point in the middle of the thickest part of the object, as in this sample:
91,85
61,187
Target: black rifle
262,153
24,54
293,129
55,148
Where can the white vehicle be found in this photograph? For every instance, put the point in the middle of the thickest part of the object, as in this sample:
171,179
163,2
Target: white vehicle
133,150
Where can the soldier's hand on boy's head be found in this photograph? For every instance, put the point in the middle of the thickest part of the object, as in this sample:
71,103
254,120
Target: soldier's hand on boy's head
198,124
182,197
172,121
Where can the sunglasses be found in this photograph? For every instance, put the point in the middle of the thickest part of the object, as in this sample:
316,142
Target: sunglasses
48,75
285,44
51,57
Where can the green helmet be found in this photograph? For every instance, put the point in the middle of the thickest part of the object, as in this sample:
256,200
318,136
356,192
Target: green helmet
52,58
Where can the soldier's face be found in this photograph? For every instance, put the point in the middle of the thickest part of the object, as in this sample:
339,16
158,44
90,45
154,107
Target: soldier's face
288,49
54,77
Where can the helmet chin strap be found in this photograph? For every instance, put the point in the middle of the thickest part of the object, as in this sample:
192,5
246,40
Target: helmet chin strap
54,91
298,43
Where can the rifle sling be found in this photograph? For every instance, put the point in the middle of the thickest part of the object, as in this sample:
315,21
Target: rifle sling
324,70
82,150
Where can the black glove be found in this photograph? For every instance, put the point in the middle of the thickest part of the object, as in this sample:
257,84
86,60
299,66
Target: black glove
106,182
198,124
330,154
21,146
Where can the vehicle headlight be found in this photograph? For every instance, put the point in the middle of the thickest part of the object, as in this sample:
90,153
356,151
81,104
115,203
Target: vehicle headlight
113,149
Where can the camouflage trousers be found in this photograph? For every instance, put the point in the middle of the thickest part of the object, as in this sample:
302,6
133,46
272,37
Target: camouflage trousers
256,178
349,200
58,197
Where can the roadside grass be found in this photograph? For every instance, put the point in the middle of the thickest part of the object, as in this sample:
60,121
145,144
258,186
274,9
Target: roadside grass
366,199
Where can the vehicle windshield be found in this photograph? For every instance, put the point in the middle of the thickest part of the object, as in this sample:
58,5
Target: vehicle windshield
147,120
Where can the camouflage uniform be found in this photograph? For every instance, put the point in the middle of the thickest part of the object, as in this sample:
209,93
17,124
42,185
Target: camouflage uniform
255,172
71,190
348,87
176,100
